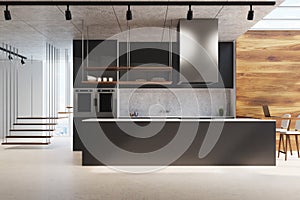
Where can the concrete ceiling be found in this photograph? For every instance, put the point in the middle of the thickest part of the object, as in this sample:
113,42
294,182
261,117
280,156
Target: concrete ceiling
33,26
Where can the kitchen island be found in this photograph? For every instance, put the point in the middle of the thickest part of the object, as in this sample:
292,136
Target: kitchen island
177,141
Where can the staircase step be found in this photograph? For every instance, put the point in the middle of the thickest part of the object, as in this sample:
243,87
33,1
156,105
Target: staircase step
64,112
35,124
29,136
25,143
32,130
41,117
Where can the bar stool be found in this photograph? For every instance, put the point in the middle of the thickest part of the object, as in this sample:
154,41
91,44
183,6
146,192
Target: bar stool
296,132
285,124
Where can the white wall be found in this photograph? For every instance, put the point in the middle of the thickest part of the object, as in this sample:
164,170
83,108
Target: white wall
4,69
30,89
38,88
21,91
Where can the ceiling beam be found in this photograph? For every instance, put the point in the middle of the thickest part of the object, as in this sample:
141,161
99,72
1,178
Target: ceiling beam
138,3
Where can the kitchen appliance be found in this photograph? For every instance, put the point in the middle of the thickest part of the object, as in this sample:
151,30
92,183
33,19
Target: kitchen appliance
94,102
83,103
106,102
198,40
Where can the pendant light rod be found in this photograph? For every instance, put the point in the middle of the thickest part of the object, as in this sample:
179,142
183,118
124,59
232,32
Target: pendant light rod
137,3
12,53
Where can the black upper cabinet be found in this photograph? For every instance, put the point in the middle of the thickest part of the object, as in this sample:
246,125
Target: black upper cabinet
152,55
147,54
139,55
226,64
77,59
96,53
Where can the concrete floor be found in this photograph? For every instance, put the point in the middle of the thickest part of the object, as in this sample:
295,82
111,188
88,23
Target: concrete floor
55,172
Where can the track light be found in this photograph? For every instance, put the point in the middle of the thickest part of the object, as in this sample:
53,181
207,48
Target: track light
9,52
22,62
250,13
68,13
189,15
129,14
7,15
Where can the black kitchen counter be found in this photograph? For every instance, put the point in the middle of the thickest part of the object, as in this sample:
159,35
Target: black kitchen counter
171,141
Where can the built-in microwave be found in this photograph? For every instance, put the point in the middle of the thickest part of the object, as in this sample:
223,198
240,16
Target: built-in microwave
94,102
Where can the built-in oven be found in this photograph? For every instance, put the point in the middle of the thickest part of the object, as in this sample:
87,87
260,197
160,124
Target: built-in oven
95,102
84,102
106,102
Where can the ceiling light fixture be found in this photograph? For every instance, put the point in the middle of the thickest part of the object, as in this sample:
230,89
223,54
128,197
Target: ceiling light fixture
189,15
22,62
10,53
10,57
7,14
250,16
68,13
250,13
129,14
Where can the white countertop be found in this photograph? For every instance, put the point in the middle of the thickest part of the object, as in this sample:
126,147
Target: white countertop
168,120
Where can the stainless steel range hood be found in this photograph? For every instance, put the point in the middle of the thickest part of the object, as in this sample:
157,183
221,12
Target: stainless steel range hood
198,40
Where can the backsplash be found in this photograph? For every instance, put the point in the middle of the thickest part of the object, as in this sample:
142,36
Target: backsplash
175,102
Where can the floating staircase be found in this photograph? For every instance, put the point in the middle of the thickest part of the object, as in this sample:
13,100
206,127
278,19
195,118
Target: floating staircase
31,131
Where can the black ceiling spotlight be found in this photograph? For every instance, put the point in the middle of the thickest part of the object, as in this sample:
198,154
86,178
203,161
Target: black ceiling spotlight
68,13
134,3
10,57
250,13
22,61
7,14
10,53
189,15
129,14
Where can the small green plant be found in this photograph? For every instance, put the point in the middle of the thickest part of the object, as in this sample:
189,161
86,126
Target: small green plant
221,111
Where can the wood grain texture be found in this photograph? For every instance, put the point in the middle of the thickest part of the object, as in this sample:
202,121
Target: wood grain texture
268,72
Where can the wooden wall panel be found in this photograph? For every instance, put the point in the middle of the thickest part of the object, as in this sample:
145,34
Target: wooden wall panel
268,72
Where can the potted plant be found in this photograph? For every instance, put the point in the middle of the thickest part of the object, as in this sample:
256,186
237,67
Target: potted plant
221,111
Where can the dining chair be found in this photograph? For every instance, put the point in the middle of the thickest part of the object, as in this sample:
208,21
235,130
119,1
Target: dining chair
295,132
285,124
